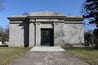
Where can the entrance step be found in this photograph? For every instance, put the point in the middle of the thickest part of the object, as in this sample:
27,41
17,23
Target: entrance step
55,48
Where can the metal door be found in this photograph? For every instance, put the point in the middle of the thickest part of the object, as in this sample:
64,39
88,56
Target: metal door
47,37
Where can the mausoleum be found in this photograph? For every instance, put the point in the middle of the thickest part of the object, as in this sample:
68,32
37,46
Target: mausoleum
45,29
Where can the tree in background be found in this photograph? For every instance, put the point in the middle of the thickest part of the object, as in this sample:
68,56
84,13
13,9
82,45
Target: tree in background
91,13
89,38
4,35
25,13
1,33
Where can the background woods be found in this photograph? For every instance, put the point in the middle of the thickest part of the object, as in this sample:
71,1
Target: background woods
4,35
90,12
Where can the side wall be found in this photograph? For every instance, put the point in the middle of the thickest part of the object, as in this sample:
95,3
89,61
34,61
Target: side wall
59,37
68,33
74,33
18,34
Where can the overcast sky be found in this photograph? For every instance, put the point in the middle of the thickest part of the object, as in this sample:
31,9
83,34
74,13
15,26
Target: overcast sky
18,7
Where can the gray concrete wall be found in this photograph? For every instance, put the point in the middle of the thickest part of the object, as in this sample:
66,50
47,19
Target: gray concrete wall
68,34
74,33
22,34
16,35
59,34
46,25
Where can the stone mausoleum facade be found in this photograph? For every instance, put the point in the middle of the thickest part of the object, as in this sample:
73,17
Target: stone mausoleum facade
45,29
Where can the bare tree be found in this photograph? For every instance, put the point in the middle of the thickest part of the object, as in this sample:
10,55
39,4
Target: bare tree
4,34
1,33
25,13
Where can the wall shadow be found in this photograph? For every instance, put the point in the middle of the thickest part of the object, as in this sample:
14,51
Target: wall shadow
25,27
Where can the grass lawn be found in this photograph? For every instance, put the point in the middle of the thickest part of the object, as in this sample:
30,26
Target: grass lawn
88,54
8,54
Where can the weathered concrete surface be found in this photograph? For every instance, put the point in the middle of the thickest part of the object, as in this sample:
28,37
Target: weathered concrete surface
16,35
51,49
49,58
46,13
68,34
26,30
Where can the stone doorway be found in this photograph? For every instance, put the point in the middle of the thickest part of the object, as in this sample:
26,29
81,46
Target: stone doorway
47,37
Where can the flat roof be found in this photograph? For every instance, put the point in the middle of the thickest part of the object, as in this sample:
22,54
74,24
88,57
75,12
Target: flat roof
46,15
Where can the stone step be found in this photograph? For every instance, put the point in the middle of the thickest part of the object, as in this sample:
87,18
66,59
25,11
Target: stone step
55,48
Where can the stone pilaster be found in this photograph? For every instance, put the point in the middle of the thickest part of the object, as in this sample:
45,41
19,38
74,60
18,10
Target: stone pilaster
38,34
55,25
31,34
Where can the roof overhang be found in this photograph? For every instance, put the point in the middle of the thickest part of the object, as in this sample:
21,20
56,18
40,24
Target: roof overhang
46,17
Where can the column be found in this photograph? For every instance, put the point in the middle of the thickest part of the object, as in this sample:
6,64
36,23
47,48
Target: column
55,41
31,34
38,34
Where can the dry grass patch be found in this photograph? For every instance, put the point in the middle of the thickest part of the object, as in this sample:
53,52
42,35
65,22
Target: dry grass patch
8,54
88,54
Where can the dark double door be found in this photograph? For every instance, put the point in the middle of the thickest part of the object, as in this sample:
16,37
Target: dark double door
47,37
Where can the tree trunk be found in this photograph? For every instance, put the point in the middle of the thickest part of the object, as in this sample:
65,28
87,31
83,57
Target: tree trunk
96,43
